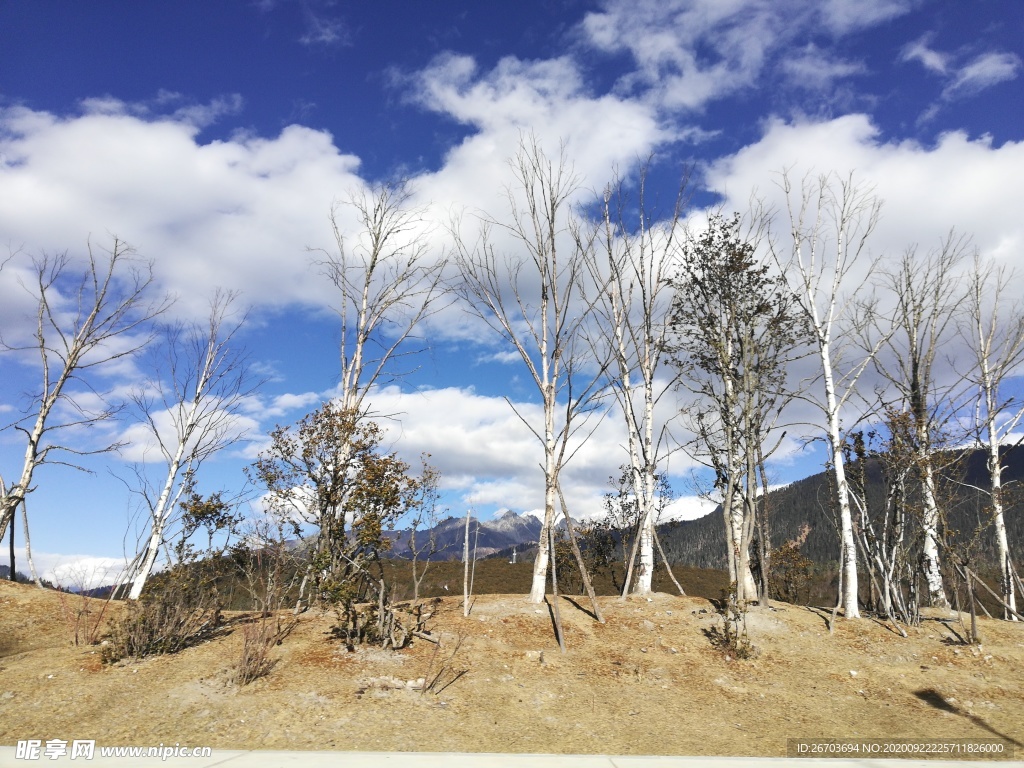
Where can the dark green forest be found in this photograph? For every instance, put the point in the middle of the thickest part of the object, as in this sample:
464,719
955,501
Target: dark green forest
808,502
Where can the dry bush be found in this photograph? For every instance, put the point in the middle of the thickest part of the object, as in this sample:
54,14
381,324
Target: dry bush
441,669
732,638
83,616
258,637
179,609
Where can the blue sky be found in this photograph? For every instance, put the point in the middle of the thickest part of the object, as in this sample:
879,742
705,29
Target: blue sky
215,136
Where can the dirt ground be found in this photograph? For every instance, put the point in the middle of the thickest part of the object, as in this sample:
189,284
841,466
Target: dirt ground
650,680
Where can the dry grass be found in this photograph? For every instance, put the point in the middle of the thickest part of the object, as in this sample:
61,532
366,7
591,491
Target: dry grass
649,681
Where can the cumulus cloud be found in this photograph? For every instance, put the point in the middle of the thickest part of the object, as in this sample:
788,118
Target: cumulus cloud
142,442
235,213
961,183
487,456
544,98
72,571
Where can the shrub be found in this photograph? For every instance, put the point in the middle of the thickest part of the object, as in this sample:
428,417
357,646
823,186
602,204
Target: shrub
177,610
258,637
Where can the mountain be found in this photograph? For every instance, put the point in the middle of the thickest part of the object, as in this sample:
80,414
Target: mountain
490,536
701,543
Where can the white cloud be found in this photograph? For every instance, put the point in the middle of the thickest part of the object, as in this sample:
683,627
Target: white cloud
487,456
664,39
814,69
930,59
961,183
546,98
283,404
689,53
843,16
236,213
985,71
982,72
688,508
507,357
143,446
324,30
71,571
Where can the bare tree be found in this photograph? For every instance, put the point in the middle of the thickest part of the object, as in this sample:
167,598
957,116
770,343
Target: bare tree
889,546
631,263
534,300
926,295
830,222
736,328
993,326
387,283
425,516
190,411
85,322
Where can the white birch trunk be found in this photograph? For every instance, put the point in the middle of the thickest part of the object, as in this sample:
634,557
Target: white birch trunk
851,588
930,524
160,514
646,574
1002,545
540,565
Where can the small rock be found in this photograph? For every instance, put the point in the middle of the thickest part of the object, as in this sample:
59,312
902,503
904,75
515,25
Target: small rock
853,673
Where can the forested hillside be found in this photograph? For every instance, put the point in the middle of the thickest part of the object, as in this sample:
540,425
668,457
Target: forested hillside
701,543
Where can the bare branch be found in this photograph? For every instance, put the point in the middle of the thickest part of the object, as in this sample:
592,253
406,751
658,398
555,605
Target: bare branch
89,322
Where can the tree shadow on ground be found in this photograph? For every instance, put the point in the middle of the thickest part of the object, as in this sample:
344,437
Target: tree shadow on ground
579,607
933,698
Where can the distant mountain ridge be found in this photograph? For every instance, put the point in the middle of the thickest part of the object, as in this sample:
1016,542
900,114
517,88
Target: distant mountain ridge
510,529
700,543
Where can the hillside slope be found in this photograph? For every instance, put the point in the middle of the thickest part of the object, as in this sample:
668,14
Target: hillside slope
701,543
649,681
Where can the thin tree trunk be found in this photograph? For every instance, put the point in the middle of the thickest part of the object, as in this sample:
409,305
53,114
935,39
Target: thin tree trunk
971,575
472,571
11,575
628,578
554,590
851,586
28,546
668,567
465,568
579,557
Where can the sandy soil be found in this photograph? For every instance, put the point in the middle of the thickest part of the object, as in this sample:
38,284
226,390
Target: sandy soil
649,681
